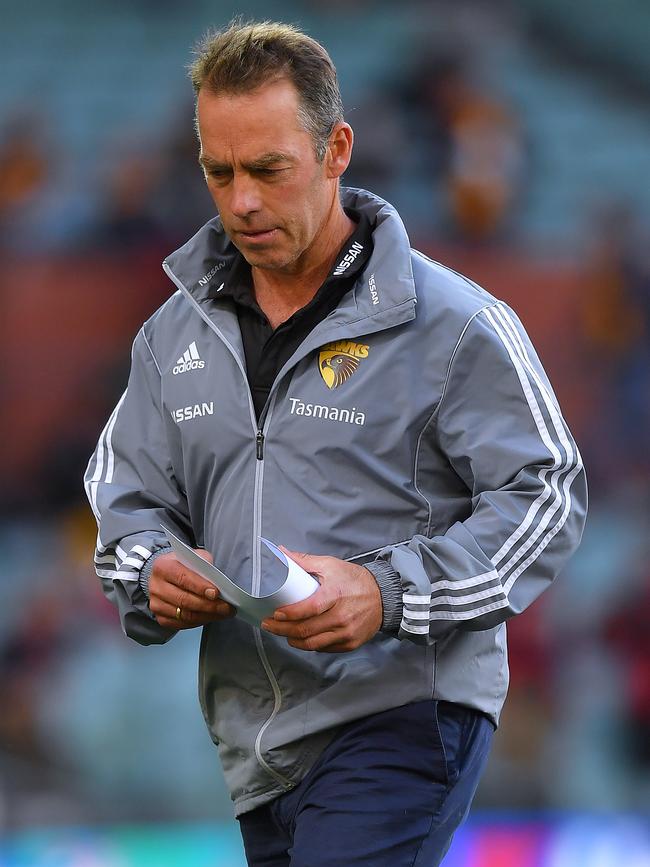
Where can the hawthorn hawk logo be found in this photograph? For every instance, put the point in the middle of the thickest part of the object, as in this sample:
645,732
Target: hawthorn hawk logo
337,361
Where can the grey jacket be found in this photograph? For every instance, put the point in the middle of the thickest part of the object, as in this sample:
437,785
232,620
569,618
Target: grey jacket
413,431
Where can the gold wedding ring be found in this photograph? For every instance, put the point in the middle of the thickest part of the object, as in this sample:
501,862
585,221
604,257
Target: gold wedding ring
179,613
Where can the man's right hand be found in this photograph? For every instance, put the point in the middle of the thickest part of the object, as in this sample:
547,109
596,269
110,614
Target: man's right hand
180,598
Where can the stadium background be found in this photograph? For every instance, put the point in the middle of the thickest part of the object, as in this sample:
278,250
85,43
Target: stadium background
514,137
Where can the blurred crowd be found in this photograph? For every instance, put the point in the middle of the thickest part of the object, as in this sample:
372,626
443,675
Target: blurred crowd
89,721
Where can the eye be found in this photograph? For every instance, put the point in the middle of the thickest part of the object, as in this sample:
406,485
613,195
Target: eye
270,173
218,175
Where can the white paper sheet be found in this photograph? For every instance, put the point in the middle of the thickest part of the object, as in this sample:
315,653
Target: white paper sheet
298,584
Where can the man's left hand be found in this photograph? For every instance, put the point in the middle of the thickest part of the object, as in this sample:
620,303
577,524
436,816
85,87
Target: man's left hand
343,614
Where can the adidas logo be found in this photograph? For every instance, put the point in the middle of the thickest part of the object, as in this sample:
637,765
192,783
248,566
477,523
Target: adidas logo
189,360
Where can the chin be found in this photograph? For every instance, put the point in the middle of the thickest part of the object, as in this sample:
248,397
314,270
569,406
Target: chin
269,262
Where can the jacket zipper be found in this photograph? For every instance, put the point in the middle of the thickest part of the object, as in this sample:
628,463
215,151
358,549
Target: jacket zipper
257,582
257,526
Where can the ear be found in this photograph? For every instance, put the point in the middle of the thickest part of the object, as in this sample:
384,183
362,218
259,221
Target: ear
339,150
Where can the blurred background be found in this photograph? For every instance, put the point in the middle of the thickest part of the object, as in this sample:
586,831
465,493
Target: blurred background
514,138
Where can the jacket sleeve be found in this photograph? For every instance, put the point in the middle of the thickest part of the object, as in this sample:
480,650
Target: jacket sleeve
500,428
132,490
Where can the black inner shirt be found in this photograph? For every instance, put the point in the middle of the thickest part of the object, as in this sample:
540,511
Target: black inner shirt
266,350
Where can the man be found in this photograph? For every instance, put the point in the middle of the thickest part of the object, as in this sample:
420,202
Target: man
317,382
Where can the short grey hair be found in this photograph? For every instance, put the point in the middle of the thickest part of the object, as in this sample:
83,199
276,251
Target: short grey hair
244,56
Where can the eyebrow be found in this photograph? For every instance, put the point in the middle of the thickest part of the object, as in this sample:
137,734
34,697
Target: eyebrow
262,162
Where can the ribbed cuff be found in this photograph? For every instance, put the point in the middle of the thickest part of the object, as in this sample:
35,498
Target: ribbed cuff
145,572
390,587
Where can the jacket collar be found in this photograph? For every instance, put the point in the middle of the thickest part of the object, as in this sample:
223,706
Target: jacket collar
384,292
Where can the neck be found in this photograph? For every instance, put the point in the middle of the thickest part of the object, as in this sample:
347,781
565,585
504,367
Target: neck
280,293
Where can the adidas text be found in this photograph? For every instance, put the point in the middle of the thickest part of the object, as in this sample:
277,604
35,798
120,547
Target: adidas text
188,365
189,360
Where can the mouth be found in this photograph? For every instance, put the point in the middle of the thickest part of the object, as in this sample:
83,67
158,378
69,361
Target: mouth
258,237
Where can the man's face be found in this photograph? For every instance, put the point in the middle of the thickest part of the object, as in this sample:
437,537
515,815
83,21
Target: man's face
260,165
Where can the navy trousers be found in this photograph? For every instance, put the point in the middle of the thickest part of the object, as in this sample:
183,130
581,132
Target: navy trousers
388,791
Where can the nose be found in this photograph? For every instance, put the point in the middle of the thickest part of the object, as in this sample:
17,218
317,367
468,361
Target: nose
245,198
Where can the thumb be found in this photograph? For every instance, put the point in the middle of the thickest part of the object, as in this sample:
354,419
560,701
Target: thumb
205,555
307,561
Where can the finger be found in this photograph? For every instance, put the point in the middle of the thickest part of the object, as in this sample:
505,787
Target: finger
171,595
329,639
209,592
205,555
171,570
326,642
168,598
318,603
309,562
302,629
176,617
171,584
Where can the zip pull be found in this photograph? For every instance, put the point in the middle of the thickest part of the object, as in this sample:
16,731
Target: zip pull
259,441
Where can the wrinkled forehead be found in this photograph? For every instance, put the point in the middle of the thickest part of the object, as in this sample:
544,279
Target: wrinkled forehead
261,121
276,96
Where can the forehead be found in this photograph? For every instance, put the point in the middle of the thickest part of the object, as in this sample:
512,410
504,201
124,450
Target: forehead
264,119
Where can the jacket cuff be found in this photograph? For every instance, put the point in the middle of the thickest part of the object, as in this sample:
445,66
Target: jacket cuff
390,587
145,572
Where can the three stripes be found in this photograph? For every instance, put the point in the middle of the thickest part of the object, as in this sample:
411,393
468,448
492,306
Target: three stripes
457,600
110,562
190,354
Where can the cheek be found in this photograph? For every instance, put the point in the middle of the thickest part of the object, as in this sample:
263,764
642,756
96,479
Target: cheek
304,208
217,196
